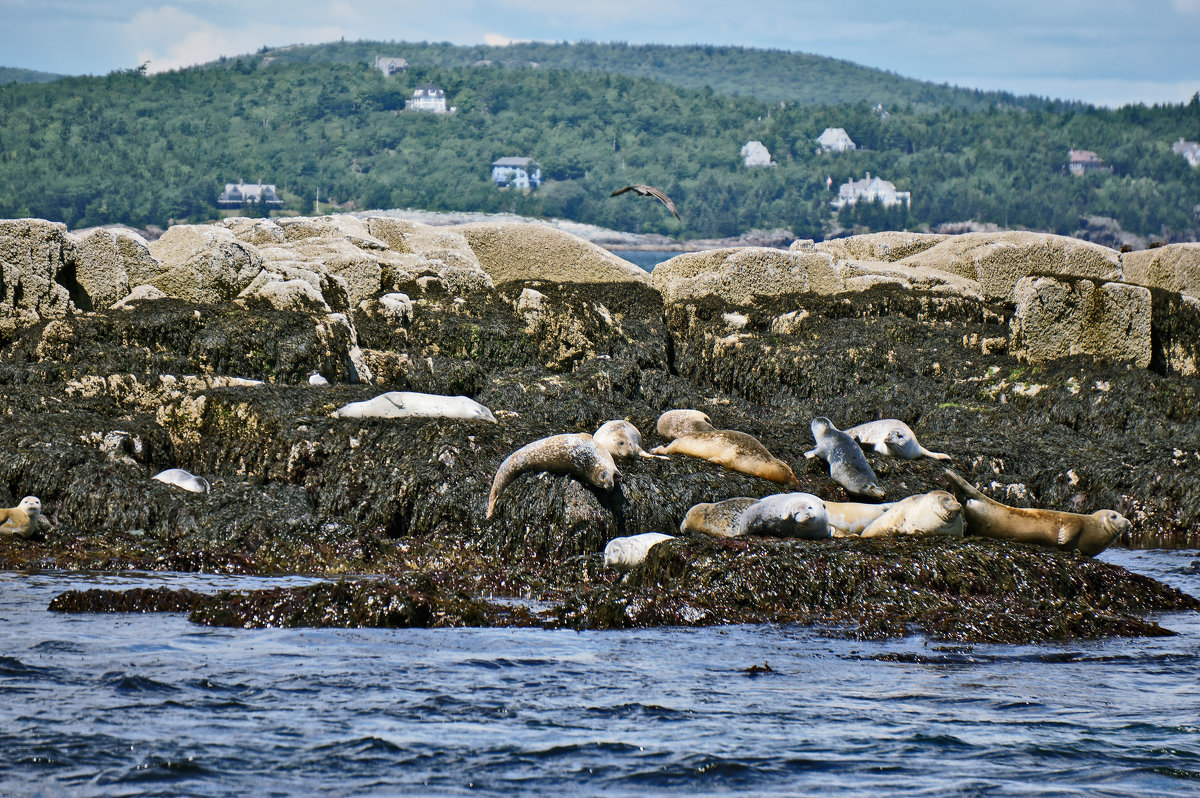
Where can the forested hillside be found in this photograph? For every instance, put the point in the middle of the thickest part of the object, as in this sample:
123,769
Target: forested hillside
16,75
142,150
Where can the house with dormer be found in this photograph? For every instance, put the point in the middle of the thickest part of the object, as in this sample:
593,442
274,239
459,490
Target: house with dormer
835,139
516,172
390,66
429,97
241,194
871,189
1081,162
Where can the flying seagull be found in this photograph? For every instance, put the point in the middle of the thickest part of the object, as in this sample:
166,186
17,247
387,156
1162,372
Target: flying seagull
649,191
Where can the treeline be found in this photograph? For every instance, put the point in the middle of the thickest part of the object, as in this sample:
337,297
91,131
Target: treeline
158,149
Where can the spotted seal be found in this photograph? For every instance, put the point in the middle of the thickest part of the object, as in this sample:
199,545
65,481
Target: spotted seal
632,550
893,438
922,515
786,515
21,520
183,479
847,465
622,439
677,423
575,453
1087,534
719,519
734,450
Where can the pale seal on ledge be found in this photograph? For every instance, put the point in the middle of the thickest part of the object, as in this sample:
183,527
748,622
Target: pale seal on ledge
1088,534
786,515
893,438
849,519
734,450
632,550
183,479
409,404
622,439
21,520
922,515
576,454
847,465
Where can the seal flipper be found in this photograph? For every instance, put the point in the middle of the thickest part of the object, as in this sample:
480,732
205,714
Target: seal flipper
962,489
934,455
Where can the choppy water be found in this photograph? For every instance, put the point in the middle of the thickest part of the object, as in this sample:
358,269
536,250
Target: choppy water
153,705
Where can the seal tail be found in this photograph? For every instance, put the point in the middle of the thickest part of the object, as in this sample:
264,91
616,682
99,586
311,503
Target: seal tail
934,455
649,456
962,489
504,475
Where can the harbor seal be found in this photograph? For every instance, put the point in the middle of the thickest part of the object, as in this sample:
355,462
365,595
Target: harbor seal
21,520
849,519
1087,534
677,423
893,438
409,404
315,378
632,550
719,519
734,450
576,454
922,515
847,465
786,515
183,479
622,439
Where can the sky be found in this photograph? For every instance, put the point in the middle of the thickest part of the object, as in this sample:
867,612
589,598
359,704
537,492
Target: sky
1107,52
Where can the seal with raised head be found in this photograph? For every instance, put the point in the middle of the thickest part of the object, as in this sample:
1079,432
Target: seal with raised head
574,453
21,520
892,438
1087,534
922,515
410,404
849,519
632,550
183,479
734,450
847,465
677,423
622,439
719,519
786,515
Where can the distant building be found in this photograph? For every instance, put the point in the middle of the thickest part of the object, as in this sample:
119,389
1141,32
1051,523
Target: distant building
514,172
390,66
429,97
1190,150
871,189
1081,162
754,153
835,139
240,194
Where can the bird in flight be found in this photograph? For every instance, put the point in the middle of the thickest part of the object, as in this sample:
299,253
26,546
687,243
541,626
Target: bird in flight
649,191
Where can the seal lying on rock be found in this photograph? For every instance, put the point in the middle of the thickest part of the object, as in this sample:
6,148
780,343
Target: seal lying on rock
933,513
677,423
893,438
622,439
786,515
576,454
719,519
849,519
183,479
1088,534
632,550
847,465
734,450
21,520
409,404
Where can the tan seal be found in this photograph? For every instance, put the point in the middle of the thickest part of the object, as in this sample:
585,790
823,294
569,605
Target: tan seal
849,519
734,450
576,454
719,519
893,438
622,439
677,423
21,520
922,515
1088,534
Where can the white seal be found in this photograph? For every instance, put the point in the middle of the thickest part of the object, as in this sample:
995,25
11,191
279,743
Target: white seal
183,479
409,404
893,438
786,515
632,550
315,378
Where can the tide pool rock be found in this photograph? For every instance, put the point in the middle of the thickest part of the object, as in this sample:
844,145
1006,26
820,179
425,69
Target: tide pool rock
108,263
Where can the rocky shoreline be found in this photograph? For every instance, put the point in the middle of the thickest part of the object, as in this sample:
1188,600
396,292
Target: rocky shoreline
1056,373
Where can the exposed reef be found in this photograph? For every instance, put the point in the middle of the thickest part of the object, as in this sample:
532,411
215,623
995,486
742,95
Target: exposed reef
119,359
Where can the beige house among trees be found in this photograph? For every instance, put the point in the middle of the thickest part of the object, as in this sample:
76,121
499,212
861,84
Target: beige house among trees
835,139
871,189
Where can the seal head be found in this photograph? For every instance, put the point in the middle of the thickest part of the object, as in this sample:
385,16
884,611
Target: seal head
786,515
622,439
677,423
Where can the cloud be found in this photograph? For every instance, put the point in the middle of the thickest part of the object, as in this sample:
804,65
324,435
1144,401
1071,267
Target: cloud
499,40
1186,6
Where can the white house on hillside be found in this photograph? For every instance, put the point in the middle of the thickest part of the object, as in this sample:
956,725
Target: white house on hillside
1080,162
871,189
835,139
754,153
241,194
514,172
1188,149
429,97
390,66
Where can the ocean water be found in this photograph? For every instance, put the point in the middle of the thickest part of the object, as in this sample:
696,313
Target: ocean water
128,704
647,259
